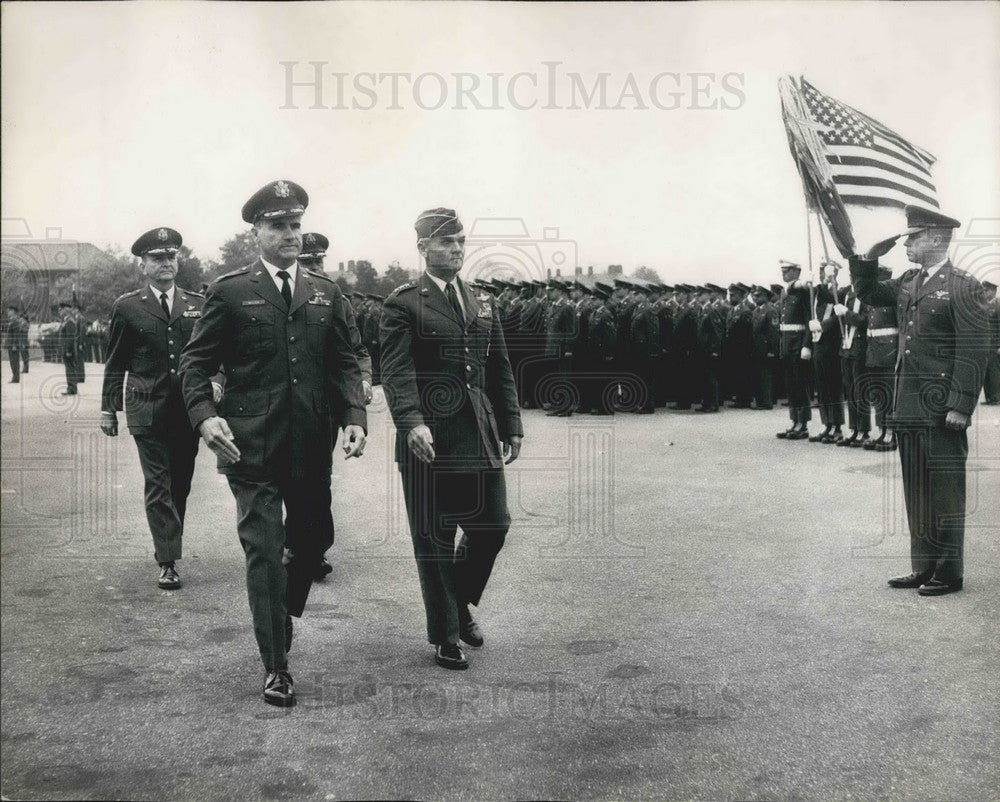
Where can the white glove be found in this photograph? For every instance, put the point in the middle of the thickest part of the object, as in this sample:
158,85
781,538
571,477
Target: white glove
815,325
840,310
806,353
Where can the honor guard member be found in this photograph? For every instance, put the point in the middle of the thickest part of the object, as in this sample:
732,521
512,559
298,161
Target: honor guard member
711,335
450,389
796,350
991,386
826,337
880,365
149,327
943,345
314,247
853,315
281,334
739,344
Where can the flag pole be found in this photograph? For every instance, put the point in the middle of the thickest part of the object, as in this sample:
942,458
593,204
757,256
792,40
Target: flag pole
812,275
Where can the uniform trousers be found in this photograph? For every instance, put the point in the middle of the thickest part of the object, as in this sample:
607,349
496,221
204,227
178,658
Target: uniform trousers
281,554
858,407
797,372
167,460
438,501
830,390
933,467
880,384
991,384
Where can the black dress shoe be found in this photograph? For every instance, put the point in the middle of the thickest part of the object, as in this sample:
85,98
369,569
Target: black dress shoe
289,631
799,434
849,441
889,444
169,580
913,580
870,445
935,587
450,655
279,690
784,435
861,442
322,570
468,629
835,438
816,438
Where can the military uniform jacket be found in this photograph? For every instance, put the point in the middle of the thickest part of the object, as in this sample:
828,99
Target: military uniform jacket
69,338
15,334
739,330
765,332
686,329
855,344
146,345
943,338
560,329
436,369
287,370
644,329
882,336
711,330
794,313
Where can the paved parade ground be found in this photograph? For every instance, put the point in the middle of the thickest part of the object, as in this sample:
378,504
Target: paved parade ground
686,608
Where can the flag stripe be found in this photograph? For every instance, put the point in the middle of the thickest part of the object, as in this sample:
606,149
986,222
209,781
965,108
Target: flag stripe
867,181
884,157
871,200
878,147
853,165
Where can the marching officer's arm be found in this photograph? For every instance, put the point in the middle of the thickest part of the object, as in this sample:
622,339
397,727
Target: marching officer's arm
970,314
118,360
399,373
200,361
344,374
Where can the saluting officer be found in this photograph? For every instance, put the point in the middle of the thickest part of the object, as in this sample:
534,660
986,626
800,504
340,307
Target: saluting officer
281,333
943,344
149,327
450,389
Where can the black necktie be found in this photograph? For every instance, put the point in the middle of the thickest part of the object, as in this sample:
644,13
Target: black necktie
449,290
286,290
921,277
163,305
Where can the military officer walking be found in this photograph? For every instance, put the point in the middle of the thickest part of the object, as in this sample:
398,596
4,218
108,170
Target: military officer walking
149,327
943,344
281,334
450,389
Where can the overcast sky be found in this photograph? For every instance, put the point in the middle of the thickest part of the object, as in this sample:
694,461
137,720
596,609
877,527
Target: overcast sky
122,117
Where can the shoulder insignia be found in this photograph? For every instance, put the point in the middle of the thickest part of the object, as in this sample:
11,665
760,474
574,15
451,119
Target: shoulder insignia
409,285
238,272
128,295
192,292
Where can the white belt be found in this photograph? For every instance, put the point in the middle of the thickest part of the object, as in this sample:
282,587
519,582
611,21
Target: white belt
792,327
882,332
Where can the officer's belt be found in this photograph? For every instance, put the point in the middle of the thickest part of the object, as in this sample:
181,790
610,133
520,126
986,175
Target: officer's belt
793,327
882,332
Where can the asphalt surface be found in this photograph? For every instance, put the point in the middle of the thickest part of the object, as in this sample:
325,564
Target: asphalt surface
686,608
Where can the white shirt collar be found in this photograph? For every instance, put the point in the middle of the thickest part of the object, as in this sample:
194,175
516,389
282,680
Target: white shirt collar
934,268
441,283
170,294
273,271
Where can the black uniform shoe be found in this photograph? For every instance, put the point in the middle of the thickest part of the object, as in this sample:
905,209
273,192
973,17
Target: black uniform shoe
322,570
836,436
816,438
14,381
862,442
889,444
450,655
913,580
279,690
849,441
468,629
799,434
289,631
784,435
935,587
169,580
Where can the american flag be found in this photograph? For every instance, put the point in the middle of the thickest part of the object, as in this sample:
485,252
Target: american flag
872,165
